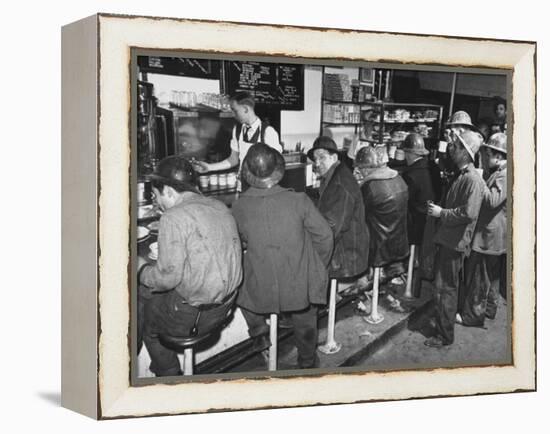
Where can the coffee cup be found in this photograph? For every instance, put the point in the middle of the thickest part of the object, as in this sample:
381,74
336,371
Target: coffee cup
204,181
399,155
214,180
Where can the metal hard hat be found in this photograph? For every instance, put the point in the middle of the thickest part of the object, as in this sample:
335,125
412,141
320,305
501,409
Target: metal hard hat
414,143
497,142
263,167
371,157
176,172
461,118
472,142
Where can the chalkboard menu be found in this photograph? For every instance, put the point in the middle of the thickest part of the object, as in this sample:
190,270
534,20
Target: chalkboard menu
274,84
197,68
278,85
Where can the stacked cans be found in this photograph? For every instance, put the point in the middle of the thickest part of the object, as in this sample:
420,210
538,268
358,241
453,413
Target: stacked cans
218,181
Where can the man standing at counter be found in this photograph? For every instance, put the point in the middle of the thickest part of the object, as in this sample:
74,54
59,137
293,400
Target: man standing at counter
341,203
249,130
193,283
457,221
486,269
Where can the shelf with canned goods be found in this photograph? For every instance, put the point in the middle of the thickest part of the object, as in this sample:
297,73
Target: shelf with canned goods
396,120
214,182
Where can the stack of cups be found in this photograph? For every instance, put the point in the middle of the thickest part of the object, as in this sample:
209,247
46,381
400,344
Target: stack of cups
231,180
214,181
204,181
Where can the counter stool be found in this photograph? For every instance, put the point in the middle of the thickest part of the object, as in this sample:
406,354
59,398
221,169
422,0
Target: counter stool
272,363
375,317
331,346
185,344
408,288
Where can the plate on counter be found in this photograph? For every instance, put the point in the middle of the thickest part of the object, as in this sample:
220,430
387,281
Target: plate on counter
142,233
153,251
153,227
147,211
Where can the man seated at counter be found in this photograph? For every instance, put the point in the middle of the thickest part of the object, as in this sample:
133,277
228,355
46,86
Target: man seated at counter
194,280
249,130
341,203
288,247
385,196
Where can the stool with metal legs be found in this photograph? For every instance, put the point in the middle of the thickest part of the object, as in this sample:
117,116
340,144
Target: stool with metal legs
185,344
375,317
272,363
408,288
331,346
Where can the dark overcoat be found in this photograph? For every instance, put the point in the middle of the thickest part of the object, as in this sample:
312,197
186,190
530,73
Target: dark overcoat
341,204
386,195
288,247
419,182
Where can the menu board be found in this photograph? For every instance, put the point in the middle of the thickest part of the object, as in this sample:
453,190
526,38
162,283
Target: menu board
275,84
197,68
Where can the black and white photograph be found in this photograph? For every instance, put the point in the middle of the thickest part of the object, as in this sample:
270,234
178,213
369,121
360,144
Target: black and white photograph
297,218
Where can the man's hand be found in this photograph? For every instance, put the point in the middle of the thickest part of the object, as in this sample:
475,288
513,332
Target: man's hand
434,210
200,166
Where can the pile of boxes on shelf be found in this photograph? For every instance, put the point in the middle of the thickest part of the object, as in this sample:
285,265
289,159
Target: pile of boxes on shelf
341,113
337,87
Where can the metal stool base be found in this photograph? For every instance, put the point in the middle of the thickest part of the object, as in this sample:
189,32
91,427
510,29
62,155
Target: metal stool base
374,319
330,348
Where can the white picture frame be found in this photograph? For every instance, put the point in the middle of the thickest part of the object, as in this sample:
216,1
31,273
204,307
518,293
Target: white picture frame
96,218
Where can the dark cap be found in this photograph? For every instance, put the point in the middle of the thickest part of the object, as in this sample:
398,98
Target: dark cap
323,142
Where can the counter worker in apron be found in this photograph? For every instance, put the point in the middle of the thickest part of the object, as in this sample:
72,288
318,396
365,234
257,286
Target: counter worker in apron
198,269
288,247
249,130
486,267
457,221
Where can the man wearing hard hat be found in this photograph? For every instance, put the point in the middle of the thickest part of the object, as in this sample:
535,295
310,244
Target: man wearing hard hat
457,221
485,268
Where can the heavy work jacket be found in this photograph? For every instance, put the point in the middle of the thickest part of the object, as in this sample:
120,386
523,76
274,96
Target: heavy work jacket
341,203
490,233
461,210
385,195
419,181
199,252
288,247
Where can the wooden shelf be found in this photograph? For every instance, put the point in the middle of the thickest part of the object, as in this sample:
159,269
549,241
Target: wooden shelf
351,124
